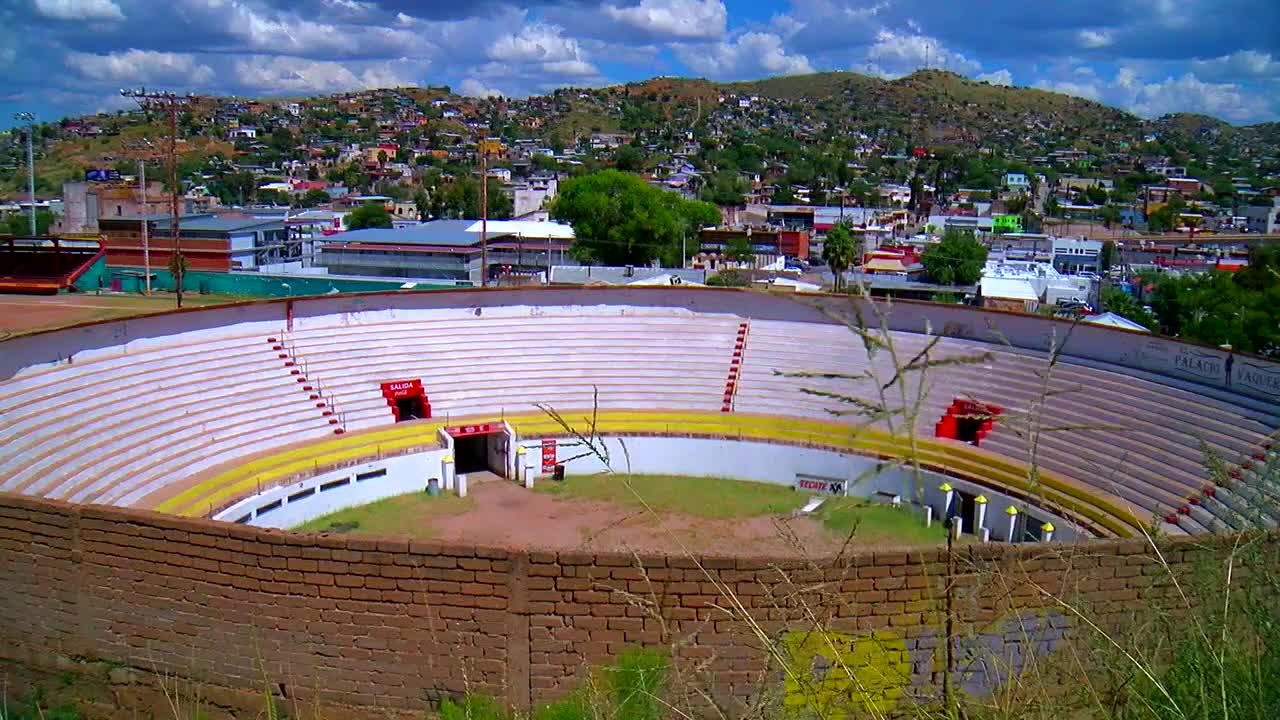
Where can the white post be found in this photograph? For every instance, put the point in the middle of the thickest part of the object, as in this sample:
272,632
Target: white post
462,484
1047,531
981,524
928,516
1012,512
947,494
522,473
957,527
986,535
446,472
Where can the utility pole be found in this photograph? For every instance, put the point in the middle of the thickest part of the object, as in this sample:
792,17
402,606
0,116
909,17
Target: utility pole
146,244
31,168
169,102
484,214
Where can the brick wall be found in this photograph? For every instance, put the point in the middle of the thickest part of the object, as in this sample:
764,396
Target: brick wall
400,623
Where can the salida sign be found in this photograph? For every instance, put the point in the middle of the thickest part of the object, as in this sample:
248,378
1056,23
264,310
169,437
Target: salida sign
830,486
402,389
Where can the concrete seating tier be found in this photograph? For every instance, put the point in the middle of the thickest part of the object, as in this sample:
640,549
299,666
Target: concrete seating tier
1153,458
152,413
164,410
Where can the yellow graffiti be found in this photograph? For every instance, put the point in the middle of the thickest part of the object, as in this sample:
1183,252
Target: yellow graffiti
834,675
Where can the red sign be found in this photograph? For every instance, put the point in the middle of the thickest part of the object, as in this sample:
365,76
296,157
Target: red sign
402,389
477,429
548,456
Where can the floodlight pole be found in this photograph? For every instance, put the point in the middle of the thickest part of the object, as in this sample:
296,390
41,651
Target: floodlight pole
31,168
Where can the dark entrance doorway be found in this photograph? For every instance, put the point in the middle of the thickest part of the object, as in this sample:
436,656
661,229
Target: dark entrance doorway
470,454
409,408
968,510
479,447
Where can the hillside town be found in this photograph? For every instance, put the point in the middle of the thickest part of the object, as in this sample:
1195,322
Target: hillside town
1069,198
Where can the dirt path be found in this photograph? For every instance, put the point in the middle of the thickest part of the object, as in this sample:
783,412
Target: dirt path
507,515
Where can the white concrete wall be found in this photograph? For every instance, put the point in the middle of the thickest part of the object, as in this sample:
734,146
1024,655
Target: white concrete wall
404,474
756,461
779,464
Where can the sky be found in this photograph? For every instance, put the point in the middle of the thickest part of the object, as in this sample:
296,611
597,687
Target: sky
1151,57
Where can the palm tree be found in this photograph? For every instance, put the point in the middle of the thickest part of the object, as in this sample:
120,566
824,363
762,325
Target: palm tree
838,252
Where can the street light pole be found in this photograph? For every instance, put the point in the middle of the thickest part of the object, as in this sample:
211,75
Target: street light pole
146,244
31,168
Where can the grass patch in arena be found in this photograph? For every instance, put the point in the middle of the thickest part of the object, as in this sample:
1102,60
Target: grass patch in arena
705,497
873,522
404,515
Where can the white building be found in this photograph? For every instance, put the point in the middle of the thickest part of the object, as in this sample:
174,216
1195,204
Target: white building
1041,280
1076,255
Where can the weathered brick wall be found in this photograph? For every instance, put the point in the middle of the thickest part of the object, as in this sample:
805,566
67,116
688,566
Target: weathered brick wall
399,624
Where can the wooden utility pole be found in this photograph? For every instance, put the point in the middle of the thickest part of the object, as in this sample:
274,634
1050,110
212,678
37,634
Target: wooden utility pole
169,102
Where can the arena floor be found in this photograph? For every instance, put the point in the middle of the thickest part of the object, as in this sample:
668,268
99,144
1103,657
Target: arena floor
499,513
21,314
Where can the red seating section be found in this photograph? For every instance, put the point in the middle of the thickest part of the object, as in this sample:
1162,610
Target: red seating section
960,409
313,393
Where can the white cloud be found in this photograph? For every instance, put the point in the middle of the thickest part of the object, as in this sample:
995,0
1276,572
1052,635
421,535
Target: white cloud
79,9
295,75
1241,62
749,55
139,66
537,42
472,87
684,19
999,77
898,54
1128,89
1095,38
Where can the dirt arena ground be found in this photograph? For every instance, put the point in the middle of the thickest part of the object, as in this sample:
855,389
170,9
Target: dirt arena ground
502,514
21,314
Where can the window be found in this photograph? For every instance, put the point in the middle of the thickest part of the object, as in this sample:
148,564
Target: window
269,507
371,474
301,495
335,484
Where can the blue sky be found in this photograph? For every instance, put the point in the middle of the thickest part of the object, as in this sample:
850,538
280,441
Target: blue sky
67,57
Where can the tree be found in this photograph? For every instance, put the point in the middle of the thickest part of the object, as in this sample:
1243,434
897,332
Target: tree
628,158
461,199
19,224
369,215
1123,304
783,195
312,198
839,251
957,259
1016,205
739,249
619,219
1110,253
1051,207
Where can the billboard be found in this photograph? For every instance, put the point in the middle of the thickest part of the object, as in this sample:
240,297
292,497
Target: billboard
100,175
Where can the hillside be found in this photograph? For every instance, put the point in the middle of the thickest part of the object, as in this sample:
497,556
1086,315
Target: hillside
931,108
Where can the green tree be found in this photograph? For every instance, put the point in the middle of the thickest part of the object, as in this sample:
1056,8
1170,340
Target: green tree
783,195
369,215
461,199
312,198
1110,253
739,249
957,259
1052,208
1016,205
619,219
629,158
839,251
1122,303
20,223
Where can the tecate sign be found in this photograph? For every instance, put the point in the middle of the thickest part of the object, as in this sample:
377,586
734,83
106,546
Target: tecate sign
822,485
